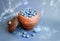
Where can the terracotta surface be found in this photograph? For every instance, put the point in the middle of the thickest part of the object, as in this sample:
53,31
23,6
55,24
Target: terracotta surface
13,24
28,23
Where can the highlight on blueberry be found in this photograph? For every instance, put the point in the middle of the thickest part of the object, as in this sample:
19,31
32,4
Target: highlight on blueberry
27,36
24,35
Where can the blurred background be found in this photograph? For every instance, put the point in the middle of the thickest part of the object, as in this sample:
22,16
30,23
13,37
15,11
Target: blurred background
49,23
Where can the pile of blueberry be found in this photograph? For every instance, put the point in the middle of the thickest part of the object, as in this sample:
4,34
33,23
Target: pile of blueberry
28,13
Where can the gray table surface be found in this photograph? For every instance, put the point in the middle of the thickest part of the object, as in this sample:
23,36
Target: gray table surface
49,23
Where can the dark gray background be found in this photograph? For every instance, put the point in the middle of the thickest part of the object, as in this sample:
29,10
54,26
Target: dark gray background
49,23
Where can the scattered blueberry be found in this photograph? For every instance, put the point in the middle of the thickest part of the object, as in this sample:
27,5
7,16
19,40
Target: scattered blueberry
33,34
24,32
24,35
26,12
34,31
27,36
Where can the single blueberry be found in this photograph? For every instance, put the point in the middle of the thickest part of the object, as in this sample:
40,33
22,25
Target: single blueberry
34,31
34,11
30,10
24,32
29,16
33,34
27,36
23,14
24,35
34,14
27,11
23,11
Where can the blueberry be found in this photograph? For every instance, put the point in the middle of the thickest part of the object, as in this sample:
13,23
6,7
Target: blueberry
34,31
24,35
24,32
23,11
30,13
30,10
23,14
33,34
27,36
29,16
27,11
34,11
34,14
